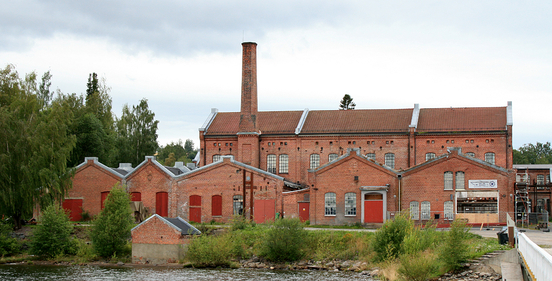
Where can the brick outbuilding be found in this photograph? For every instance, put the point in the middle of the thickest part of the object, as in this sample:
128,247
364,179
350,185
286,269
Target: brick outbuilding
160,240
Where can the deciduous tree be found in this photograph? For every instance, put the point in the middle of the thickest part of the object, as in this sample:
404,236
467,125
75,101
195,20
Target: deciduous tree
540,153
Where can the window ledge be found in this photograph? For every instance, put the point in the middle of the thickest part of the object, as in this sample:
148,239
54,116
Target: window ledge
330,215
350,215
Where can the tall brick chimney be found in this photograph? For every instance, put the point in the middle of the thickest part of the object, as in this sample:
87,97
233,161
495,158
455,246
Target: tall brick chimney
248,117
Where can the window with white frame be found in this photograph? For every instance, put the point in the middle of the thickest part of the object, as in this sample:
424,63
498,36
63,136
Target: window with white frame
460,180
216,157
430,155
390,160
415,210
330,203
371,156
271,163
350,204
540,179
470,154
332,157
490,157
448,180
238,204
314,161
448,208
284,164
426,210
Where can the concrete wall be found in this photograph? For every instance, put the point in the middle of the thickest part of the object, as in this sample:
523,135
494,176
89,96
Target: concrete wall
157,253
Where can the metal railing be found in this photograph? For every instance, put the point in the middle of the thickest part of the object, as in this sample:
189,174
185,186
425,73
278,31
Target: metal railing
536,260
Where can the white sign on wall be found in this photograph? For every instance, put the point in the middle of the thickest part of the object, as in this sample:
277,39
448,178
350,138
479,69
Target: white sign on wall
483,184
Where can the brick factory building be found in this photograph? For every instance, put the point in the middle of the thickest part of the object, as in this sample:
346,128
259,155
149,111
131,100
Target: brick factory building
333,166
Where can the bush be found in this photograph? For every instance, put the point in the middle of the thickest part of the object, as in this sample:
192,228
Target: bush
8,245
419,266
388,240
53,236
419,240
112,226
284,240
454,250
240,222
210,251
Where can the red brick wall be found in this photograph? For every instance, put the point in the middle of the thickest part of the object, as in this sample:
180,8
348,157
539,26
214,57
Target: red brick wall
427,183
291,199
148,180
155,231
226,180
88,183
340,179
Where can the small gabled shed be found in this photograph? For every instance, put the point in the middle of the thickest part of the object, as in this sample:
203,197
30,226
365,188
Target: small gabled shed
160,240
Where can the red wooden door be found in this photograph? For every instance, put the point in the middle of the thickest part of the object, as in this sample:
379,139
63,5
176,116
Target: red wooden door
104,197
304,211
264,210
216,205
74,207
162,204
135,196
195,208
373,211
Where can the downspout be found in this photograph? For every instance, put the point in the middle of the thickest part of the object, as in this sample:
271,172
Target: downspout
400,179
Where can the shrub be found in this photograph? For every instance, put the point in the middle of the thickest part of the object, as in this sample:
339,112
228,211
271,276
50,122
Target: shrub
419,240
419,266
284,240
210,251
53,236
8,245
240,222
112,226
388,240
454,250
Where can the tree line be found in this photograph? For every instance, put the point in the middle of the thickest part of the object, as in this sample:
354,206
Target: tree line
45,134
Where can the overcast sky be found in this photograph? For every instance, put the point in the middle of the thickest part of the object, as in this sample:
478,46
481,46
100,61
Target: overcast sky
185,56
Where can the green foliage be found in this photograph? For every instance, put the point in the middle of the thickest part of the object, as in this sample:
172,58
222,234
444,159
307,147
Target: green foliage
8,245
210,251
53,236
136,133
240,222
182,152
454,250
346,103
284,240
37,145
338,245
418,267
388,240
112,226
419,240
540,153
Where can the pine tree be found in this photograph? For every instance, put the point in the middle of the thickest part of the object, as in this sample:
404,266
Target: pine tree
347,103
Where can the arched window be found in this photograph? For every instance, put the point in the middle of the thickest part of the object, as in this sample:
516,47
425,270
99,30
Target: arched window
314,161
448,208
390,160
371,156
330,203
332,157
426,210
350,204
238,204
459,180
490,157
415,210
271,163
430,155
284,164
217,157
448,180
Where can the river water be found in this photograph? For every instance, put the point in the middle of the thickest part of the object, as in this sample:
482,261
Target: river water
59,273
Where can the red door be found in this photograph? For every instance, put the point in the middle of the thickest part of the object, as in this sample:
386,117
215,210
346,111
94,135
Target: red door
373,211
195,208
216,205
162,204
135,196
74,207
265,210
304,211
104,197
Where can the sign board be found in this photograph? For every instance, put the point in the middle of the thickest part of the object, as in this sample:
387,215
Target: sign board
483,184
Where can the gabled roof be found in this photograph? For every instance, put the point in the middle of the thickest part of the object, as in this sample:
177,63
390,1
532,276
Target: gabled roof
177,223
357,121
115,172
169,171
462,119
227,123
354,152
